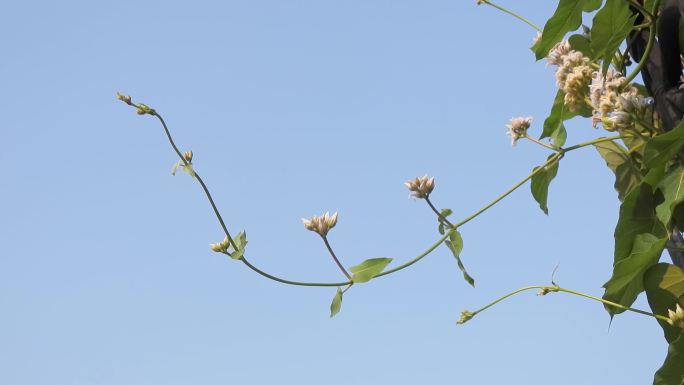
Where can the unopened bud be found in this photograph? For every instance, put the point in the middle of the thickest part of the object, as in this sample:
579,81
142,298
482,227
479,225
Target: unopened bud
220,247
465,317
187,156
321,224
420,187
124,98
676,317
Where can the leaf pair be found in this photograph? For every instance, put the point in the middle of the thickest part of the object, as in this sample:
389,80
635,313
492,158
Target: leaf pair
363,272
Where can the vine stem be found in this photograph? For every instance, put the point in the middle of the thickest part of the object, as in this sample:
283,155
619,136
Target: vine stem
517,16
539,142
560,152
649,46
550,289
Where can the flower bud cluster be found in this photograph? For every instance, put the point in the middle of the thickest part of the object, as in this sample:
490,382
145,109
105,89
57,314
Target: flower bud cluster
517,128
573,75
220,247
421,187
321,224
615,103
187,156
676,317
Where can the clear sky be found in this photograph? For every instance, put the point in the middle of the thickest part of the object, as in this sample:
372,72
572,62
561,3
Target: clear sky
292,108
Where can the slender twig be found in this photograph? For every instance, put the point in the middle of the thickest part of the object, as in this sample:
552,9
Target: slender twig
337,261
439,215
539,142
500,8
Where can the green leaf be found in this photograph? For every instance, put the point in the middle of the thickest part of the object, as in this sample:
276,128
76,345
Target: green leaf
581,43
455,244
627,172
553,124
672,187
540,184
664,285
336,303
189,170
663,148
639,240
444,213
672,371
592,5
637,216
368,269
627,280
241,242
610,28
175,167
568,17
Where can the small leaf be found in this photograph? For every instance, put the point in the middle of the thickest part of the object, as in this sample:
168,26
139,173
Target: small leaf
566,18
175,168
672,187
189,170
627,172
664,285
366,270
455,244
610,28
241,242
336,303
663,148
540,184
637,216
672,371
627,280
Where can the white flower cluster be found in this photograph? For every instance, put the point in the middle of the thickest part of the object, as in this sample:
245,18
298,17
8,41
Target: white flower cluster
573,75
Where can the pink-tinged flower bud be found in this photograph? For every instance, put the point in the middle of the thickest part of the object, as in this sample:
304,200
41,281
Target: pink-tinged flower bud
321,224
187,156
420,187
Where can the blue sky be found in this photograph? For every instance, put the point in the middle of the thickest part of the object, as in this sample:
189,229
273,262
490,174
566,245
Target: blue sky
292,108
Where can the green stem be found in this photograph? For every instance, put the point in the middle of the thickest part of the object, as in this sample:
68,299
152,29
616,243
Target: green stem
649,46
337,261
539,142
288,282
439,215
500,8
550,289
592,142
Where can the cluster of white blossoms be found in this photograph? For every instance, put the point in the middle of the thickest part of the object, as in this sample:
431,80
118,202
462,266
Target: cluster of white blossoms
573,75
614,102
321,224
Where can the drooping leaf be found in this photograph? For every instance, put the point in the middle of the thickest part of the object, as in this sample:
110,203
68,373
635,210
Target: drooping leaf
663,148
553,124
664,285
639,240
637,216
566,18
175,167
610,28
336,304
592,5
627,172
455,244
540,184
627,280
368,269
672,371
672,187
